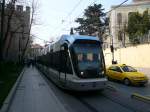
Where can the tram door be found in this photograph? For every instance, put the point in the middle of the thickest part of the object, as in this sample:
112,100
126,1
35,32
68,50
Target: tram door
63,59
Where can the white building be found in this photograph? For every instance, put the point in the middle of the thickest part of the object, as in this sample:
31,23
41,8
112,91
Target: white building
36,50
119,20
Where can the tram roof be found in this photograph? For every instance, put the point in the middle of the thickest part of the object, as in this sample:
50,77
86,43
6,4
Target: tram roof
72,38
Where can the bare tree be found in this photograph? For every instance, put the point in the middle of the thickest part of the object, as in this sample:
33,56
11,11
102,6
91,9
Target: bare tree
20,26
11,10
34,6
7,23
8,33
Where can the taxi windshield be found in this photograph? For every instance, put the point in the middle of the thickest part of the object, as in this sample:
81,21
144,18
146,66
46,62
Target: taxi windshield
128,69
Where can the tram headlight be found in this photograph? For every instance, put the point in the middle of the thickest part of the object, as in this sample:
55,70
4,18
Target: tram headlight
82,73
101,73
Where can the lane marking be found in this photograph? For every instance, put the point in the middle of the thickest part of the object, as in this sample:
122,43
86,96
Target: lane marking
137,96
111,87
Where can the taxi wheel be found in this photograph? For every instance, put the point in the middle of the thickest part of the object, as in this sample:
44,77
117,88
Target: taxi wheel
108,78
127,81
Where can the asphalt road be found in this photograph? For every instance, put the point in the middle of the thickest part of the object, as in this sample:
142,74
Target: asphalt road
129,90
38,94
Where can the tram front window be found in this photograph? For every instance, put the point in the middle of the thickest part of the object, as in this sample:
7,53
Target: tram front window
88,60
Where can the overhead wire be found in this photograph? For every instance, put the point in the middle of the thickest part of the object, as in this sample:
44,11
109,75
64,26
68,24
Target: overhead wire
117,6
82,12
74,8
69,14
111,9
42,39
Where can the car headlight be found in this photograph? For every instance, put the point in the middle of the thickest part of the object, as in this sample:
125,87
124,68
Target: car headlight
139,78
135,78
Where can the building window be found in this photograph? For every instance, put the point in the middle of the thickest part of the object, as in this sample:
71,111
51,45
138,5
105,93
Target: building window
119,18
19,8
119,35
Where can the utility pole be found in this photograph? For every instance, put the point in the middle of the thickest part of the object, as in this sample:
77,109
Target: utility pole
112,49
71,31
2,28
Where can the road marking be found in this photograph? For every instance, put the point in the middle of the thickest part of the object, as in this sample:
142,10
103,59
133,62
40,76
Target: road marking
111,87
140,97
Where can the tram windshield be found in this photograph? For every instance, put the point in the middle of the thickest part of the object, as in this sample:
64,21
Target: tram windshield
88,58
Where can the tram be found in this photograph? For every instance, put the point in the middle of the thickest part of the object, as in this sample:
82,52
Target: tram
75,62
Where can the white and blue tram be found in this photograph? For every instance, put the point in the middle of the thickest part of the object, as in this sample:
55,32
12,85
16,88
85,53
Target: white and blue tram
75,62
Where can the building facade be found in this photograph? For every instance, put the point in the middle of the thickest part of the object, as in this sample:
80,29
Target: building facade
35,51
16,31
119,21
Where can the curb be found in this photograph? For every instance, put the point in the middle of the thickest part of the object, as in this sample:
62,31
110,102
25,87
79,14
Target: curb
9,98
140,97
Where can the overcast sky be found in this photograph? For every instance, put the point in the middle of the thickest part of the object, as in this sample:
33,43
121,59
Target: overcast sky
56,17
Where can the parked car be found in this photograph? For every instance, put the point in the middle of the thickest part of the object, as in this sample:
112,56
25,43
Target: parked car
127,74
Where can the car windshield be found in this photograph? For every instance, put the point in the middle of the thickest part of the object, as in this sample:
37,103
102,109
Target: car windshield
128,69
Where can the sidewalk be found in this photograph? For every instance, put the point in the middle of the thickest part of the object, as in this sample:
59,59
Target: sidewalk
35,95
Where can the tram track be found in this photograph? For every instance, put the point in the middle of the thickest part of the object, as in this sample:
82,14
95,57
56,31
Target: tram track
55,88
124,102
91,105
66,98
121,104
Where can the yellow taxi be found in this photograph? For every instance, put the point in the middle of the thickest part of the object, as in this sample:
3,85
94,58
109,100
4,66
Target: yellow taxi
126,74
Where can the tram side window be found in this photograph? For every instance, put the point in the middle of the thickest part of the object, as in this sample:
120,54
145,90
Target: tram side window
53,60
68,65
62,61
50,60
56,61
46,60
65,64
